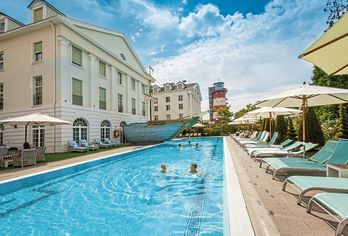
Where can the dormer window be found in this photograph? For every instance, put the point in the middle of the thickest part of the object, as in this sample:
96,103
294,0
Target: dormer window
179,86
37,14
123,56
167,88
155,90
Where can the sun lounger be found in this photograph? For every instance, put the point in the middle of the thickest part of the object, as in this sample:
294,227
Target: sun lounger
91,147
263,138
73,147
284,151
335,204
333,152
102,144
305,184
252,138
108,141
262,144
277,146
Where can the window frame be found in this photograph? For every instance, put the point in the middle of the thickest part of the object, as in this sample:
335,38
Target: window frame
72,58
72,92
2,95
38,135
134,105
36,89
167,107
2,30
120,78
133,84
38,56
102,104
42,16
82,130
120,103
2,60
181,106
105,130
167,98
180,98
104,72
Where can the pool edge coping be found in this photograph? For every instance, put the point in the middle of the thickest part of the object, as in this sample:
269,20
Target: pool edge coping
261,221
74,164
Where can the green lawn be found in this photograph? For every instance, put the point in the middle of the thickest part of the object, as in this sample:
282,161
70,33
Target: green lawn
51,157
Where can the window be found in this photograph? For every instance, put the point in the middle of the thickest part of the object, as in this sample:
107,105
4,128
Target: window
2,60
167,107
105,129
167,99
143,88
38,135
102,98
119,75
102,69
155,108
180,98
37,90
168,117
154,90
143,111
133,84
76,56
167,88
37,51
80,127
1,96
181,106
77,92
120,102
38,14
133,106
179,86
1,137
156,117
181,115
2,27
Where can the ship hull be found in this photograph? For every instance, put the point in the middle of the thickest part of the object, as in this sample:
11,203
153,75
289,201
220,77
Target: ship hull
146,133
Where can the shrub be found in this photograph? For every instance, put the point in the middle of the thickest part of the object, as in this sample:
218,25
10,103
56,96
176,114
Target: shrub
313,130
342,123
282,128
291,134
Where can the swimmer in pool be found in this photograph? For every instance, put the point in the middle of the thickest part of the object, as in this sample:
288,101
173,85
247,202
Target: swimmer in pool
194,170
164,168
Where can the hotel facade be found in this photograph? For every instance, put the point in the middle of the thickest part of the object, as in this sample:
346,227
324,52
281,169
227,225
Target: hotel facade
71,70
176,100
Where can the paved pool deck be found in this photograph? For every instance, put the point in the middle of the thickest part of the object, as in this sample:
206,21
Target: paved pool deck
271,210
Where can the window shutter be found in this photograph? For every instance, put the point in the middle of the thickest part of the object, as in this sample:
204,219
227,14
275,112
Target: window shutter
76,55
77,87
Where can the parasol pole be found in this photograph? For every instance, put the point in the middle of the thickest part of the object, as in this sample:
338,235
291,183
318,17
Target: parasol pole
304,101
270,125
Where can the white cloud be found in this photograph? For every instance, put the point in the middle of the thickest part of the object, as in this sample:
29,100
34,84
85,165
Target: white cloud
148,14
255,55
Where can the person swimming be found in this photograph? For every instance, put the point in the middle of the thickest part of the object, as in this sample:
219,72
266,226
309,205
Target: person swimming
189,142
179,145
164,168
193,169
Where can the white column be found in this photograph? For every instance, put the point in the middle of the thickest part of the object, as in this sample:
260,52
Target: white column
64,90
127,101
113,89
138,102
93,88
190,103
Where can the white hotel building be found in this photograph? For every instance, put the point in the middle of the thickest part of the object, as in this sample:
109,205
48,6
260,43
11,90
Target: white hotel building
72,70
175,101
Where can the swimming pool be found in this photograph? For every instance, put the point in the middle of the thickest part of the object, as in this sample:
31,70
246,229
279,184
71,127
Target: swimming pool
123,195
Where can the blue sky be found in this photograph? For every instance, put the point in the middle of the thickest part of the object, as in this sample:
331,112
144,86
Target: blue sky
252,45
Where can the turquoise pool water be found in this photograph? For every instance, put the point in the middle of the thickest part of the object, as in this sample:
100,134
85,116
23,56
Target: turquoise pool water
123,195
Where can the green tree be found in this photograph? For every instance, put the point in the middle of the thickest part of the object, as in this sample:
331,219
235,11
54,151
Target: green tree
224,114
291,130
246,109
281,128
342,123
313,130
336,9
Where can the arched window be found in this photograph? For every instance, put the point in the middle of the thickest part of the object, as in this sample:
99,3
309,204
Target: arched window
80,127
123,56
38,135
105,130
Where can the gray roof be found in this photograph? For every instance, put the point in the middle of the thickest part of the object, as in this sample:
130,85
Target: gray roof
12,19
174,86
